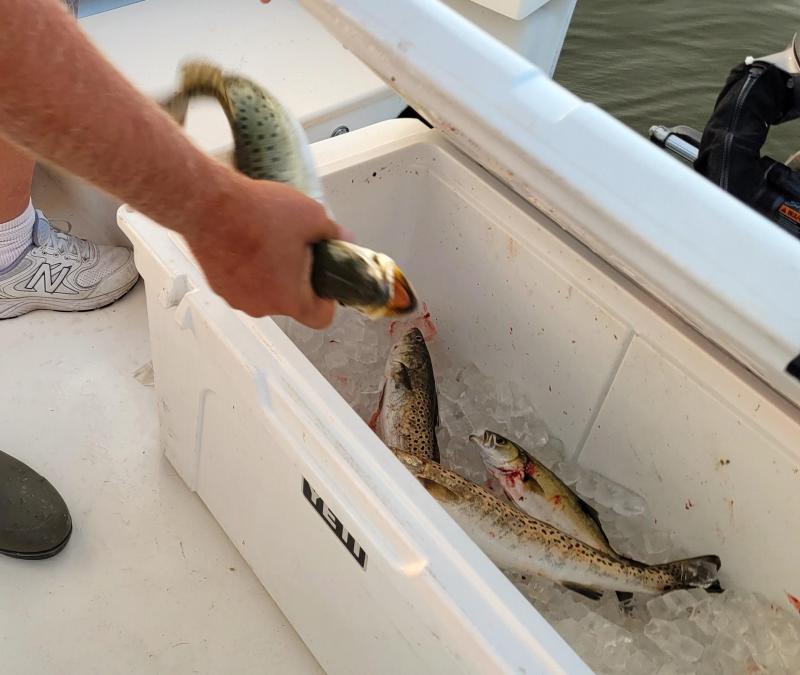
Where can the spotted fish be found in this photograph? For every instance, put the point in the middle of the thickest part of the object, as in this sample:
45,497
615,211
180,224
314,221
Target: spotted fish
408,411
538,491
269,144
516,542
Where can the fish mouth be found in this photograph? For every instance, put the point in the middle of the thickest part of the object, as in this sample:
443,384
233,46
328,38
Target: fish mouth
358,277
484,441
402,299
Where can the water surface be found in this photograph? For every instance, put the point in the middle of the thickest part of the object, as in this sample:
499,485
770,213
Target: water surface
664,61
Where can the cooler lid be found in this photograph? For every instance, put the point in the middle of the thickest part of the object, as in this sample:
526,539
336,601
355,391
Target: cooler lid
721,266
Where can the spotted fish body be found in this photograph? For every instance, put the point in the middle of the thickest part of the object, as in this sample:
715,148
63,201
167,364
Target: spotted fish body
409,409
538,492
269,144
516,542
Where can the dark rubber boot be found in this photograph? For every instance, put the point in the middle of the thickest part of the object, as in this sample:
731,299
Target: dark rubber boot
34,520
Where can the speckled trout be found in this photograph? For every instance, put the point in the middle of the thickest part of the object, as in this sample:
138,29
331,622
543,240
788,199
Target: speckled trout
269,144
516,542
408,411
538,491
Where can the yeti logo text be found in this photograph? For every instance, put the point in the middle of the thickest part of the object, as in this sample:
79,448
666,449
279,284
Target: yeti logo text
52,277
335,524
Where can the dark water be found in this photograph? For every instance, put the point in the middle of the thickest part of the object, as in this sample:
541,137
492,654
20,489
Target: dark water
664,61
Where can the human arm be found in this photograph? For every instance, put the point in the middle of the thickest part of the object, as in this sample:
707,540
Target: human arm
63,101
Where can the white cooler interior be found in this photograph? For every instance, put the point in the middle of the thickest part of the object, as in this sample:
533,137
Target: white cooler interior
632,391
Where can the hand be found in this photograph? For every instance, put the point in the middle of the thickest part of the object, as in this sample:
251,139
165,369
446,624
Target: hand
253,243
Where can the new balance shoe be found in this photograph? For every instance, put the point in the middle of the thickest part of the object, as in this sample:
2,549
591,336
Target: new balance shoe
62,272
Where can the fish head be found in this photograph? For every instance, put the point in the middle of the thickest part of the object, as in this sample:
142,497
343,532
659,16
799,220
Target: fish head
366,280
498,452
409,352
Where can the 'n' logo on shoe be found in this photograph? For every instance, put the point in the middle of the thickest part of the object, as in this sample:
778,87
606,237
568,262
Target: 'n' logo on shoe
50,278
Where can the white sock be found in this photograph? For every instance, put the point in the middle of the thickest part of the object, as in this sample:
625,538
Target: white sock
16,235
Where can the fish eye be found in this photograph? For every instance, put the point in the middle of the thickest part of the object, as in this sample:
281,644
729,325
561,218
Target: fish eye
418,338
499,441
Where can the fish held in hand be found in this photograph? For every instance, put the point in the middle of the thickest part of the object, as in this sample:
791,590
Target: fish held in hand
269,144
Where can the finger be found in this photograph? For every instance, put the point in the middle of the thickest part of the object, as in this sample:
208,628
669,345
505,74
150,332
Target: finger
317,314
321,230
346,234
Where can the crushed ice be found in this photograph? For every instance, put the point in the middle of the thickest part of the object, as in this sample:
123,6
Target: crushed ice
678,633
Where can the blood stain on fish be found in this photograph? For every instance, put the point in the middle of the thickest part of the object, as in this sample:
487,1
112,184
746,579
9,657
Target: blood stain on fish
373,421
794,601
422,322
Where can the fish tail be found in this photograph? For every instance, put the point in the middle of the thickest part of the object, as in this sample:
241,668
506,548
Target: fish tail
699,572
200,78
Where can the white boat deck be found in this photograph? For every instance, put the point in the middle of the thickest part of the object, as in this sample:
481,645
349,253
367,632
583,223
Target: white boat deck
149,582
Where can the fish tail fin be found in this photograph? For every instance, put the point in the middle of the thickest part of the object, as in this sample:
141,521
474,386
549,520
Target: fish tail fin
699,572
200,78
176,106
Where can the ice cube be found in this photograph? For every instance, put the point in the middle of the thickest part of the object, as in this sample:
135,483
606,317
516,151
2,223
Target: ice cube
638,663
785,634
656,541
668,637
309,341
443,437
503,395
353,330
450,388
673,668
538,437
568,472
335,358
575,609
550,453
570,629
730,651
519,432
616,496
702,617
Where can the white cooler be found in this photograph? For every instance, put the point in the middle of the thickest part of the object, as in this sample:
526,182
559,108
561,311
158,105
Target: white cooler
650,317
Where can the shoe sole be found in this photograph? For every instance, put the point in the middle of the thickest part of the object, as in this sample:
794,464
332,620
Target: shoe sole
86,305
39,555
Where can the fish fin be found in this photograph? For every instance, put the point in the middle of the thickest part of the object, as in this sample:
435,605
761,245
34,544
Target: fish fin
583,590
625,598
626,603
436,423
176,106
716,587
699,572
404,376
437,490
532,483
592,513
588,510
376,416
435,455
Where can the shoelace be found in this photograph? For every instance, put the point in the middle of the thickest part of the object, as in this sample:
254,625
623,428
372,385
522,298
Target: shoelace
64,242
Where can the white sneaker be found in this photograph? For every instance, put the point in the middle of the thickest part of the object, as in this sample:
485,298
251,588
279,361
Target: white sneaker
64,273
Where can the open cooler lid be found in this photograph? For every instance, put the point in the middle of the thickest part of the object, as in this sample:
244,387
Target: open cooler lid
721,266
